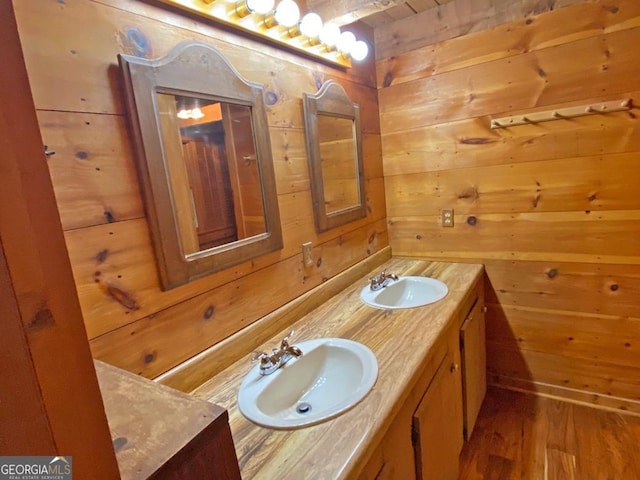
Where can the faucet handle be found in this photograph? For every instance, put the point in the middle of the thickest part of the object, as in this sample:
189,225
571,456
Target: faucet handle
260,356
284,344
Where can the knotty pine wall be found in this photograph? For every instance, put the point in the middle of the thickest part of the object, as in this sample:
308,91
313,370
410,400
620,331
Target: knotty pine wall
71,49
552,210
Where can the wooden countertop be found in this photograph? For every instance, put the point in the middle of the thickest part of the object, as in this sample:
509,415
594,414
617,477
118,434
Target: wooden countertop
402,341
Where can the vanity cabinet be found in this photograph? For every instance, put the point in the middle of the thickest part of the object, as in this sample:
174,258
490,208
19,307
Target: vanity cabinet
426,437
437,424
474,364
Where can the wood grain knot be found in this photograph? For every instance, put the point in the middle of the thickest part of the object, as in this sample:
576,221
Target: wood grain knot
82,155
208,313
123,298
119,443
134,42
150,357
319,262
471,220
108,216
42,318
477,140
270,98
470,193
388,78
552,273
102,255
614,287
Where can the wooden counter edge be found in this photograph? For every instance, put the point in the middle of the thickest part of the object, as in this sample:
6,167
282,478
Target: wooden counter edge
162,433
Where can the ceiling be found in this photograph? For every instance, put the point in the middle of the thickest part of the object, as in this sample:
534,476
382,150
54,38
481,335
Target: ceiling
373,13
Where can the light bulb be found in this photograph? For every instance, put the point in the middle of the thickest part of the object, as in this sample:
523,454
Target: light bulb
196,113
346,42
311,25
184,114
260,6
330,34
287,13
360,50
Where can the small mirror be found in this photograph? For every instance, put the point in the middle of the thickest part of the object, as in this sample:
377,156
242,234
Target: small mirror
334,146
204,158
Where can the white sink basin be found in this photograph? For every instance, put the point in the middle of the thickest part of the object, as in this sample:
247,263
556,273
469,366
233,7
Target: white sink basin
406,292
331,376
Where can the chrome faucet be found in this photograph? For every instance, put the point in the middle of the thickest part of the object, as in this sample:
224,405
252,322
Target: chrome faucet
381,280
278,357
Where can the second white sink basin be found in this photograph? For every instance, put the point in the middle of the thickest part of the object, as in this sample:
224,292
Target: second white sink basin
406,292
331,376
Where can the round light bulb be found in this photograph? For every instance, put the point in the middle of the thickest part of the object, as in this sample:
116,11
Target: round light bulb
346,42
260,6
330,34
360,50
196,113
311,25
287,13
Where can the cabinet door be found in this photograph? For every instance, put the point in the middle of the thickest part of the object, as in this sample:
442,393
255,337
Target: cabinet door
437,425
474,365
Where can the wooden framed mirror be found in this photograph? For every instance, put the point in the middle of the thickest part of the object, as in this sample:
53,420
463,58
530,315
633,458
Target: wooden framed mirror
204,161
334,148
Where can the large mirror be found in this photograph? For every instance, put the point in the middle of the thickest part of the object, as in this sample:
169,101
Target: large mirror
204,159
334,147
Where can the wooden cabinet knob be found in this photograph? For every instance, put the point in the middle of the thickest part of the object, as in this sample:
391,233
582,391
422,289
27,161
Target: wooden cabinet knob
454,367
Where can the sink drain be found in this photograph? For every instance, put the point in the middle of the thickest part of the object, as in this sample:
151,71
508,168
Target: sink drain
303,408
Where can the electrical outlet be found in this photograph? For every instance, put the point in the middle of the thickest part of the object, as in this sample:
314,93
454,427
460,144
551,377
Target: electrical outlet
446,217
307,254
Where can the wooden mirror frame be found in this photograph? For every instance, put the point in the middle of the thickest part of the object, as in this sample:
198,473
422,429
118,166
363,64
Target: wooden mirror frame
192,69
332,100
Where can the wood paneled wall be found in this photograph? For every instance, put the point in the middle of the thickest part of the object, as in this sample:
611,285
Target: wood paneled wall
551,209
448,19
70,51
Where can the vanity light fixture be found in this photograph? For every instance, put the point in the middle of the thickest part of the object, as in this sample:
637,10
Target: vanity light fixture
280,23
330,35
360,50
261,7
311,25
346,42
287,13
190,114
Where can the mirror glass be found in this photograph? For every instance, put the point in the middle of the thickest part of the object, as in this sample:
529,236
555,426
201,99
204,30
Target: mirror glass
338,163
204,160
334,147
214,174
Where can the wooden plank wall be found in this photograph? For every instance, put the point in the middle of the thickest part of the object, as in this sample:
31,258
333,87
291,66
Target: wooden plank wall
70,50
452,18
551,209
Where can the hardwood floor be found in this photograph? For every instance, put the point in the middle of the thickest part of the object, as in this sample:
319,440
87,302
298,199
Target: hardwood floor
523,436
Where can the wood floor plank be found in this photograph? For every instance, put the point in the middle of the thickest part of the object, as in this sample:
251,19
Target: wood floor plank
559,465
528,437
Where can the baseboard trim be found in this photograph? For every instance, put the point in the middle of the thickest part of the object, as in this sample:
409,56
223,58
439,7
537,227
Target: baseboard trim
619,405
